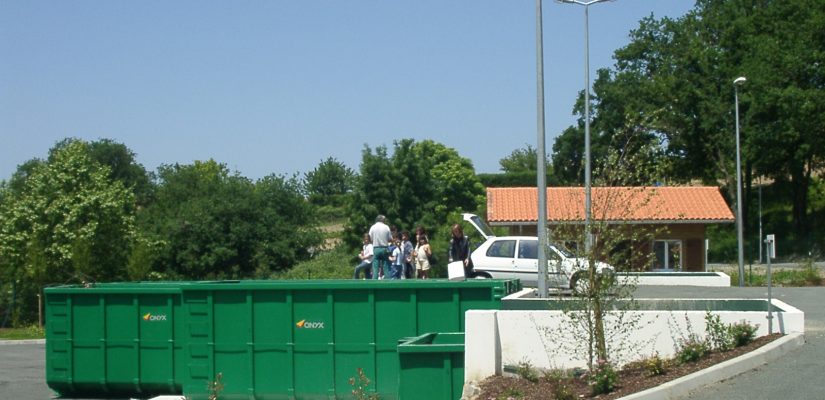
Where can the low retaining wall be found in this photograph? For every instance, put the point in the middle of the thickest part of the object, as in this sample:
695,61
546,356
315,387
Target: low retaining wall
546,338
710,279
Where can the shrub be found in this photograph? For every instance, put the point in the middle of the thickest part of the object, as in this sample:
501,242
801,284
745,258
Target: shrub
359,387
510,392
655,365
336,263
719,336
810,275
742,333
526,371
561,389
604,378
215,387
691,349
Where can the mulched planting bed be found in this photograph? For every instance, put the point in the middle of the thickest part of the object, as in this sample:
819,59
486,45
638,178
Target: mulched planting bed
631,380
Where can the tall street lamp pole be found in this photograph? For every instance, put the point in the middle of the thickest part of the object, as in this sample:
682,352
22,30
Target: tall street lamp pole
760,219
588,237
738,81
541,173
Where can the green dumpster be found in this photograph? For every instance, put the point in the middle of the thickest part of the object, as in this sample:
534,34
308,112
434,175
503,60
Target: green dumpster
306,339
114,339
268,339
432,367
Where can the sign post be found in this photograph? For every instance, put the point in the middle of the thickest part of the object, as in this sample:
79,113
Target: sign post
770,252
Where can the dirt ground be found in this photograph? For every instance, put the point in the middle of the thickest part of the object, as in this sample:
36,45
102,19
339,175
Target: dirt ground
630,379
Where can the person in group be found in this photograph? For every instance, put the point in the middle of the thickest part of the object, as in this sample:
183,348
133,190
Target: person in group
396,259
365,256
380,237
422,255
407,269
460,250
419,232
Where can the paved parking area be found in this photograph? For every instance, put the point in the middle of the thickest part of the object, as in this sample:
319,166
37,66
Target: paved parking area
795,376
22,373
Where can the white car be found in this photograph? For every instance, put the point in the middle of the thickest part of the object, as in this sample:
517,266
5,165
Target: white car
508,257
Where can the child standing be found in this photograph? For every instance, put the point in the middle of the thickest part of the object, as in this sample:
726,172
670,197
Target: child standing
365,256
422,255
396,260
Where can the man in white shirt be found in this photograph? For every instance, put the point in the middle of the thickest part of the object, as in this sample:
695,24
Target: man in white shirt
381,237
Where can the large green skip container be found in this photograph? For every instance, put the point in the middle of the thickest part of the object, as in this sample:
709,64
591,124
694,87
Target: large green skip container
306,339
432,367
268,339
117,339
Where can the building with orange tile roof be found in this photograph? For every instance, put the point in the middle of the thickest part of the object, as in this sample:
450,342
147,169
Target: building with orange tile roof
679,215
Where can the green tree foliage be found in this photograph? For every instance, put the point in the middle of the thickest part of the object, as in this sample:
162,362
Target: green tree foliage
122,163
521,160
422,183
671,94
617,126
515,179
329,182
519,169
207,223
65,221
672,87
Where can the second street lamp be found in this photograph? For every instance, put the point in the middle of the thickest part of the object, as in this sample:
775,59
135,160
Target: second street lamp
588,239
736,82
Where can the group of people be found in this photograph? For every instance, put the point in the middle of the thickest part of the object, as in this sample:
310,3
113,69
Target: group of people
387,255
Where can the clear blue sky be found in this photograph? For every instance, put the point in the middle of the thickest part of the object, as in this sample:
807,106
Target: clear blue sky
278,86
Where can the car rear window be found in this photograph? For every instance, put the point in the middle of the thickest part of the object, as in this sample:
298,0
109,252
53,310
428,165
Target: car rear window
502,248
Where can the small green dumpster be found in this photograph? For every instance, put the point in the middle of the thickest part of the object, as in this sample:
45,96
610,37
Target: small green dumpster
432,367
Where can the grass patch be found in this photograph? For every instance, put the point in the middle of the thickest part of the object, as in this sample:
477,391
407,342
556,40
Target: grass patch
780,277
31,332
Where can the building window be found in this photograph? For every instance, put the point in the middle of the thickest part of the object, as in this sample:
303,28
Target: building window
668,255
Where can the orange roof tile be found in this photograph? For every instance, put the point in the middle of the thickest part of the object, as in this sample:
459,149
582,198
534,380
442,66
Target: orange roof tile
630,204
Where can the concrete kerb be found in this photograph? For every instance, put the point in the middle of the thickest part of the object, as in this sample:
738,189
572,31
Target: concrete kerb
25,341
683,386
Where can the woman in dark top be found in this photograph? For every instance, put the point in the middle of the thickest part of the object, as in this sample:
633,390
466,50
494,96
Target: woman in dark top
460,250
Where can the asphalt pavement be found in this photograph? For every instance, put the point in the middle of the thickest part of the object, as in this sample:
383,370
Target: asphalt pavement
22,371
797,375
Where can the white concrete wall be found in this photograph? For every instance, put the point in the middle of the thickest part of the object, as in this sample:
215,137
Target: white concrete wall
545,339
720,279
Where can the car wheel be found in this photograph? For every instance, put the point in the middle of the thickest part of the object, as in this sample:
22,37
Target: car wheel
608,277
579,283
481,275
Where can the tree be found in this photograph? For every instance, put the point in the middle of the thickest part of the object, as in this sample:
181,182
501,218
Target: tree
785,97
122,163
521,160
671,91
422,183
208,224
597,313
68,223
619,124
329,182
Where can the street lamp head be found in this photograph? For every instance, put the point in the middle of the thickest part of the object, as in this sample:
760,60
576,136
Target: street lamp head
582,2
740,80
